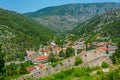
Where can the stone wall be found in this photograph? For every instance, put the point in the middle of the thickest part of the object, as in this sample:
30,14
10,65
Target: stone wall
91,58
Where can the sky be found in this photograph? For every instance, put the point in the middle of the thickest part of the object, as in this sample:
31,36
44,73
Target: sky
23,6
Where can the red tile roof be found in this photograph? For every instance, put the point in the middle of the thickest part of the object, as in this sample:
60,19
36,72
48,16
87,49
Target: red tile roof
31,57
105,48
30,68
41,65
41,58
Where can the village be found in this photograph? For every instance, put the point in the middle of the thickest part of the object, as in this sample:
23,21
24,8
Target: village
41,56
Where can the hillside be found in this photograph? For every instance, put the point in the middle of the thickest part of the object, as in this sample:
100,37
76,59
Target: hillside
18,33
66,17
101,27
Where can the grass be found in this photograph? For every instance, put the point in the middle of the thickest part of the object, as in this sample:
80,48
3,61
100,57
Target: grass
84,74
71,74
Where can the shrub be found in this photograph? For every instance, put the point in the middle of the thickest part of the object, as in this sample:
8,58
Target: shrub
105,65
78,61
54,64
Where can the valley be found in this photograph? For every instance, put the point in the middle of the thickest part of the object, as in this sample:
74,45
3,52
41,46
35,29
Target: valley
67,17
77,41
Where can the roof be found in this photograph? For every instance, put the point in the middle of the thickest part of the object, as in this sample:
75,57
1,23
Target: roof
41,58
31,57
41,65
30,68
47,50
105,48
102,48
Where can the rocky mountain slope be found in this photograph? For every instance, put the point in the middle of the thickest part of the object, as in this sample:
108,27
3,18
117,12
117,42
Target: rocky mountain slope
18,33
66,17
102,26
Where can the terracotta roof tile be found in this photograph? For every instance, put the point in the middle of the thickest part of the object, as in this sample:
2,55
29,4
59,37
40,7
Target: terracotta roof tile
41,58
41,65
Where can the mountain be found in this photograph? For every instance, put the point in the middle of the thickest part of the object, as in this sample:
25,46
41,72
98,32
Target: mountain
66,17
18,33
101,27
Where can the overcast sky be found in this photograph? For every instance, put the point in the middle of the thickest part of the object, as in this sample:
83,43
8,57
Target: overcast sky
23,6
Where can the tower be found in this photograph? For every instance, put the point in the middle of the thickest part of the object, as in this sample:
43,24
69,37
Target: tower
75,50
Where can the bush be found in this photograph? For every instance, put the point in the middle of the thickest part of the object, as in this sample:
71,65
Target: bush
78,61
116,56
105,65
54,64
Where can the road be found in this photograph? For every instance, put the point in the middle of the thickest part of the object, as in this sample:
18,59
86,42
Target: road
15,62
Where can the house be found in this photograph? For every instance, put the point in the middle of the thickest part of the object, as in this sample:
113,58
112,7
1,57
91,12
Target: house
30,69
110,49
39,66
40,59
52,43
34,68
99,43
30,52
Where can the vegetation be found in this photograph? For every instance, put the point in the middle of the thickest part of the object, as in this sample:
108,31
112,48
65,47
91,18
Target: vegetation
51,58
78,61
15,70
2,63
61,53
112,75
104,26
116,56
19,33
60,40
66,17
73,38
105,65
71,74
84,74
69,52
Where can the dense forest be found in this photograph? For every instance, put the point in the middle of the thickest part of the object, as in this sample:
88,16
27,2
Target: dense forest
18,33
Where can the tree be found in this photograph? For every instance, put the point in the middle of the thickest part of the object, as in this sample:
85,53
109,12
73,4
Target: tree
69,52
116,56
23,69
61,53
2,62
78,61
51,58
105,65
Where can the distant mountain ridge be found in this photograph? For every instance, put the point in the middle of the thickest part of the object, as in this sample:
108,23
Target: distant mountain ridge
66,17
18,33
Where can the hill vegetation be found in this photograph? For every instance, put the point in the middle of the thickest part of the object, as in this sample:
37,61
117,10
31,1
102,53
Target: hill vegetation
101,27
84,74
18,33
67,17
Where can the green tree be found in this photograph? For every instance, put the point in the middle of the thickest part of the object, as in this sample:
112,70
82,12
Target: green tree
23,69
51,58
105,65
2,63
116,56
69,52
78,61
61,53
